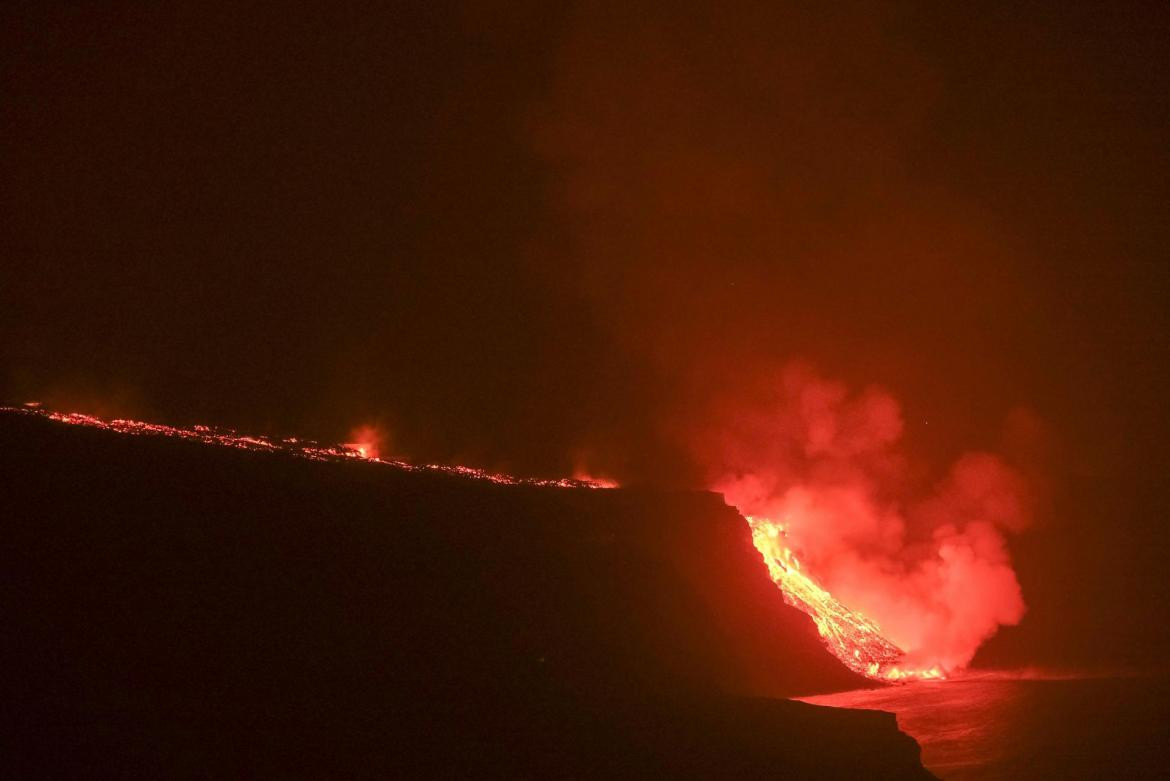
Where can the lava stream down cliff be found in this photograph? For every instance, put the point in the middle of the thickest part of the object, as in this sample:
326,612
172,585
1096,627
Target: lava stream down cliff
854,639
850,636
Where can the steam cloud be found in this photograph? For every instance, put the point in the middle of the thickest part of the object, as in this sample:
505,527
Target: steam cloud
931,567
732,196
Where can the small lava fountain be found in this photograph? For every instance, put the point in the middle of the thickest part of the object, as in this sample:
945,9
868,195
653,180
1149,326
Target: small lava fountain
362,450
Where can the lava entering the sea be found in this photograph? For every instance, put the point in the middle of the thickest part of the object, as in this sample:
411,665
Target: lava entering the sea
851,637
854,639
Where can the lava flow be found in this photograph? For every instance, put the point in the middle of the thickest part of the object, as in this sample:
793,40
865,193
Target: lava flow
295,447
851,637
854,639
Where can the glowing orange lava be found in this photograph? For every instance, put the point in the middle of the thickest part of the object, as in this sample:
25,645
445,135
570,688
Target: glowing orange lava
851,637
367,441
364,451
854,639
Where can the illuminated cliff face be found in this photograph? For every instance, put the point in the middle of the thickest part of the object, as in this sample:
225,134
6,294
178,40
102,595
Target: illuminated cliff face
854,639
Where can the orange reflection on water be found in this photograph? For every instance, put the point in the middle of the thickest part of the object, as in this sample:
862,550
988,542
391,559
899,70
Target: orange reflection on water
1011,727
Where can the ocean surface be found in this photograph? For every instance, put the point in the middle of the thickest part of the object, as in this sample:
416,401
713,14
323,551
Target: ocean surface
1004,726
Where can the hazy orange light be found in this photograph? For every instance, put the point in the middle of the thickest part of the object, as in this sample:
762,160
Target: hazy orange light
854,639
366,440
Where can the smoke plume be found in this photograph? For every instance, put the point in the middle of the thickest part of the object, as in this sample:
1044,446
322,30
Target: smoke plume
736,188
929,563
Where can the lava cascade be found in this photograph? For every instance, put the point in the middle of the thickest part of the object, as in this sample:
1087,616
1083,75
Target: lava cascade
852,637
918,551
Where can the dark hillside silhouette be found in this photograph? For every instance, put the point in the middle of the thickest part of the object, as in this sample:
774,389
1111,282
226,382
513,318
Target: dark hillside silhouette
173,608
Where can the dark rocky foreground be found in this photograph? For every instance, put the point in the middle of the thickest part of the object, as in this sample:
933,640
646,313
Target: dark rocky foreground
175,609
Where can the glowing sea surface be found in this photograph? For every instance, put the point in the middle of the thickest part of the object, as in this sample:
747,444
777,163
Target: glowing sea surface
997,727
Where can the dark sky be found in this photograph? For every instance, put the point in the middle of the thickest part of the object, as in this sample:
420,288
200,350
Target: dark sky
541,236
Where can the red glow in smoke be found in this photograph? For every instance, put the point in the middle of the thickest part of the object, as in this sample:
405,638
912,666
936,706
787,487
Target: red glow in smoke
929,566
368,440
590,479
900,584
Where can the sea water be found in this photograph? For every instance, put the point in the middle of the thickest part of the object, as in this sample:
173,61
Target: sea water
1005,726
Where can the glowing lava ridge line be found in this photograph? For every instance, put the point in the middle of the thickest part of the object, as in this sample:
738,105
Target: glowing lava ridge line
854,639
292,446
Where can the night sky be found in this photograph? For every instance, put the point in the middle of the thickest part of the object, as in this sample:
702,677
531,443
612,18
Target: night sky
541,237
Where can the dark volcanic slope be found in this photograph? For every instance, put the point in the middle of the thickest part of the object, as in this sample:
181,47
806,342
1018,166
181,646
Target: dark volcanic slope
174,608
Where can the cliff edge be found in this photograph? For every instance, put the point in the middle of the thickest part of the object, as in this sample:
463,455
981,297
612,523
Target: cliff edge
174,608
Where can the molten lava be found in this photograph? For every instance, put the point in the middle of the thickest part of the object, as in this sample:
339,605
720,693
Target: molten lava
367,441
854,639
851,637
362,450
